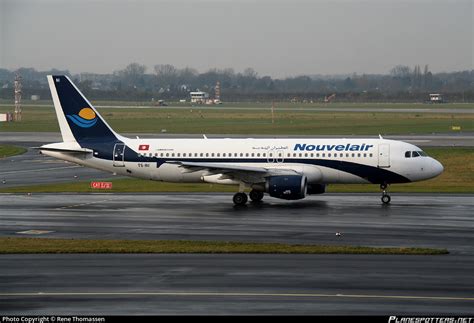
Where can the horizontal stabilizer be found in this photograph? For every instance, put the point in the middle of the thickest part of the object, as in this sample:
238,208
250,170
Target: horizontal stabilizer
66,150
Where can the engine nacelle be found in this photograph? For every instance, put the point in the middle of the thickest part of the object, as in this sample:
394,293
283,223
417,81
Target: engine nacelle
288,187
316,189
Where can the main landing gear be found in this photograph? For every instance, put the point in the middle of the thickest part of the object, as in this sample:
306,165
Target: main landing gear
256,196
240,198
385,197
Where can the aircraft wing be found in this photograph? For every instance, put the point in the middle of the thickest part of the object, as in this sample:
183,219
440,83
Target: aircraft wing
249,174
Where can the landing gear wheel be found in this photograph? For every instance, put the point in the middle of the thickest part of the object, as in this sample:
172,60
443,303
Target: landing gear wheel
240,198
256,196
386,199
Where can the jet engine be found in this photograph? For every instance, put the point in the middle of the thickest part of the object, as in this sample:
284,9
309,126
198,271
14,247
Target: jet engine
288,187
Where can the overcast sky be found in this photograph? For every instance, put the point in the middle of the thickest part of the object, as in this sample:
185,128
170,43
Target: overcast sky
277,38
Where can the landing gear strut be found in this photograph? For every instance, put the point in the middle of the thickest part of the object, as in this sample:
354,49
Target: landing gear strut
256,196
385,197
240,198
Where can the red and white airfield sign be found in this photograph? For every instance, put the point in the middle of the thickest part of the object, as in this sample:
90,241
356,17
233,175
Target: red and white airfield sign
101,185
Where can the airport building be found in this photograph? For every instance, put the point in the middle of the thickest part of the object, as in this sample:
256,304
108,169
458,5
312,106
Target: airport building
436,98
199,97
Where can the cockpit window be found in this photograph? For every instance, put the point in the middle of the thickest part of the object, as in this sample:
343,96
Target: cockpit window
422,153
417,153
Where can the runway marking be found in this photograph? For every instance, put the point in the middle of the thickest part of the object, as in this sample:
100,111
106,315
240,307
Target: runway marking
84,204
34,232
231,294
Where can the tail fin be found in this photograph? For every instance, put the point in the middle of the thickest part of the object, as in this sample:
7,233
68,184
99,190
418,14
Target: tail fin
78,120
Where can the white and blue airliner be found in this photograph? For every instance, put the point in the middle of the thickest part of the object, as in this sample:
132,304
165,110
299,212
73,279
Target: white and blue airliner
287,169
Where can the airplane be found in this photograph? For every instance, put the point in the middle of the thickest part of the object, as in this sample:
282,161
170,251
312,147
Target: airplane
287,169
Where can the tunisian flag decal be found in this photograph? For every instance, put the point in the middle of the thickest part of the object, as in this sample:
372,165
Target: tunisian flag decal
143,147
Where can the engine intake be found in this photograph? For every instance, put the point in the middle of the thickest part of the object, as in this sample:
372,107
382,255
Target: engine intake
290,187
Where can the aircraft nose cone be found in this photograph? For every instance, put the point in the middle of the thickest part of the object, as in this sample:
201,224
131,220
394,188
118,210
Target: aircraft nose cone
436,167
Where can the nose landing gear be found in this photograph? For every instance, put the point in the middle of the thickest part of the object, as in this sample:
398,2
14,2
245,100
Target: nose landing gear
385,197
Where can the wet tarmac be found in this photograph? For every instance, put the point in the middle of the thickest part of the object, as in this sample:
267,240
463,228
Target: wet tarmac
241,284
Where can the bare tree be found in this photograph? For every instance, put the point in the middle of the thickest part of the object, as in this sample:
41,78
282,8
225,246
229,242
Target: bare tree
132,75
167,75
401,71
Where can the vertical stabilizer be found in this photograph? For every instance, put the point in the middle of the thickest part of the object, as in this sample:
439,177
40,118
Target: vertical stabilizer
78,120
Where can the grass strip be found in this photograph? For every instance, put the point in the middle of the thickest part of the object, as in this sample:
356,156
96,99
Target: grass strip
68,246
293,121
9,150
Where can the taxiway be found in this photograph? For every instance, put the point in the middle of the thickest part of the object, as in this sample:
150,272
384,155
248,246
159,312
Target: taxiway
240,284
